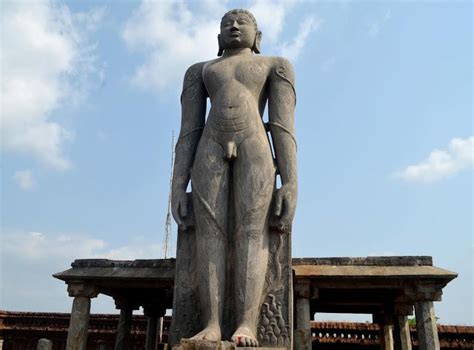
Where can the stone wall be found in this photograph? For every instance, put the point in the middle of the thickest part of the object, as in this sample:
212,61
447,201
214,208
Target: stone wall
355,336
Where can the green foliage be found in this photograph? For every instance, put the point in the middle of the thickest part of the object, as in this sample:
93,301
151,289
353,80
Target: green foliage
412,321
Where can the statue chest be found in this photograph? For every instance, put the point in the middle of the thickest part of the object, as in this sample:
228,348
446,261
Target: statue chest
223,75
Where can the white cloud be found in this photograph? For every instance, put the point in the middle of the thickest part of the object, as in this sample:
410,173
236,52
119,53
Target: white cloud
270,17
293,49
173,38
375,26
30,258
44,59
173,35
441,164
24,179
34,246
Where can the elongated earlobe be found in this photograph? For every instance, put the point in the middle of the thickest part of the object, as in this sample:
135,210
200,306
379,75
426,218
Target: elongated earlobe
256,44
221,49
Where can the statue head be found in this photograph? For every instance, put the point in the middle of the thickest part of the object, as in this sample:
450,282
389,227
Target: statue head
239,30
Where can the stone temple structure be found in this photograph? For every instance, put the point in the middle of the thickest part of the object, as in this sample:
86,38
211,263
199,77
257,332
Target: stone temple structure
388,288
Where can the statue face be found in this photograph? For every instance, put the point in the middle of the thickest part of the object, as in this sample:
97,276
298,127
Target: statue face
237,31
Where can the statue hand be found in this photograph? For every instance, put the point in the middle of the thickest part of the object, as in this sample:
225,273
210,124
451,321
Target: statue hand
285,205
179,207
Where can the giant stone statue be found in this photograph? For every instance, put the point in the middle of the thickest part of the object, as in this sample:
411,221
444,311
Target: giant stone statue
233,274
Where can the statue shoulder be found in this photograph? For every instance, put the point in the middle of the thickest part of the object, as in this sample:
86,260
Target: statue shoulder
282,68
193,78
281,76
194,72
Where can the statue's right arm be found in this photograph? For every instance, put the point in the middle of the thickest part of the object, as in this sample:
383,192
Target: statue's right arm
193,114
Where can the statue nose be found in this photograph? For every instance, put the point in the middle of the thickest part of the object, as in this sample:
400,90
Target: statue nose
235,26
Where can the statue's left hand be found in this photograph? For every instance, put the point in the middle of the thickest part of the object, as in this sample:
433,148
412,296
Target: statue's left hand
285,205
179,206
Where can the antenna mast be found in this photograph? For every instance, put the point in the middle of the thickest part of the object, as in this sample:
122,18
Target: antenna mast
168,233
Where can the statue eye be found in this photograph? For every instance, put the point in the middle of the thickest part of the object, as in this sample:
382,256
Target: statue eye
242,21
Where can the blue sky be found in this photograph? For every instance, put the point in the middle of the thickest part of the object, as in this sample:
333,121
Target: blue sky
90,97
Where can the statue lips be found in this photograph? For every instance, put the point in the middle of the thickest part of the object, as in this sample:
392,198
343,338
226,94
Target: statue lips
235,35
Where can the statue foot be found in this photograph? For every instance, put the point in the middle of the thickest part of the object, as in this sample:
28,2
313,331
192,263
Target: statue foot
211,333
243,336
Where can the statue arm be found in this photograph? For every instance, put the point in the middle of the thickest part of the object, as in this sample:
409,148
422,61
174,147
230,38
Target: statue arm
281,106
193,113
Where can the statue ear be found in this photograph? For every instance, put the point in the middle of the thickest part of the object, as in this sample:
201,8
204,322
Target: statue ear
256,44
221,49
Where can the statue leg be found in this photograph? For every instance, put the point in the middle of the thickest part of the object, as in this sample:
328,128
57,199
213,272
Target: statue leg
210,186
254,181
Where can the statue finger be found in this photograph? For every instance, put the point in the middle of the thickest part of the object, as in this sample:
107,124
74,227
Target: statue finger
175,212
288,214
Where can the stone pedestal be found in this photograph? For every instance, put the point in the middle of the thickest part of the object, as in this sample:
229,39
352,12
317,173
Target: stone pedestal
79,322
188,344
426,326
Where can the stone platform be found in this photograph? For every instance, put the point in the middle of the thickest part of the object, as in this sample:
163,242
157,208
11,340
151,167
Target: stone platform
188,344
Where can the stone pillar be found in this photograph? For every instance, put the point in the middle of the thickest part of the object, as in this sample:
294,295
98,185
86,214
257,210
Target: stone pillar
387,337
401,333
385,322
81,307
386,333
426,326
44,344
153,313
302,333
125,324
103,346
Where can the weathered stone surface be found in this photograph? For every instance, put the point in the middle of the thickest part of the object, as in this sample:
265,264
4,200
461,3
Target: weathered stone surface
233,273
401,333
426,326
370,272
386,337
151,333
122,339
79,323
44,344
368,261
302,334
188,344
